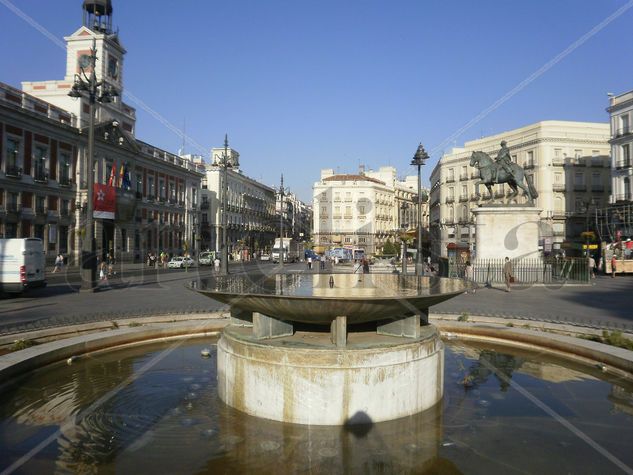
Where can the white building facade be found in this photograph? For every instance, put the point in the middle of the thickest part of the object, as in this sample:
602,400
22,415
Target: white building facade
363,210
621,117
251,223
568,163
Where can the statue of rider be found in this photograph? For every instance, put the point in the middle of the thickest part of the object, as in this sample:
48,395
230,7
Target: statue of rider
504,160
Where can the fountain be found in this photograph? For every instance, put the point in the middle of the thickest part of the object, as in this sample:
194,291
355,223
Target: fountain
330,349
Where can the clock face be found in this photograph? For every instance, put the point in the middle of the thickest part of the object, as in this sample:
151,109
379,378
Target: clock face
113,67
84,61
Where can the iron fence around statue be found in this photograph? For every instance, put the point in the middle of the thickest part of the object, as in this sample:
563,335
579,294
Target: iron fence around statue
525,271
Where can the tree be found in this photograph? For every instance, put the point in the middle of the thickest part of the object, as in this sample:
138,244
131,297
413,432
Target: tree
390,249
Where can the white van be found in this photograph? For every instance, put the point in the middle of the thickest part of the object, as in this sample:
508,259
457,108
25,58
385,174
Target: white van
22,264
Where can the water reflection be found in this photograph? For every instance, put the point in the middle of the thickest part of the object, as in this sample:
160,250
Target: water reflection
170,420
330,285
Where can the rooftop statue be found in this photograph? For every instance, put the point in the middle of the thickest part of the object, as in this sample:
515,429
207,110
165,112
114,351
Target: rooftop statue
501,170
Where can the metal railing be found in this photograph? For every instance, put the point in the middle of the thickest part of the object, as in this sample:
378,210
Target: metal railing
524,271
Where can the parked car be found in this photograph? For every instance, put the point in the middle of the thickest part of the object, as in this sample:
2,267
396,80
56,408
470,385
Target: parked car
206,258
181,262
264,257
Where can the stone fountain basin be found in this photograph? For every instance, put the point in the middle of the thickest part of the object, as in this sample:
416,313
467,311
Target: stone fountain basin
320,298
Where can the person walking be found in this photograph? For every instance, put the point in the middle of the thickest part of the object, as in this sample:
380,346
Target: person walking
216,265
591,262
614,266
365,264
508,276
469,276
59,263
309,262
103,271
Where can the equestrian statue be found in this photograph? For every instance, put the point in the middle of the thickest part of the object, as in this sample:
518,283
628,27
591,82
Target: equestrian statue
501,170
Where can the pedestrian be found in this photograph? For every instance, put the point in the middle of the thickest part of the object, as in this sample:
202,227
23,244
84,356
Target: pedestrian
469,276
309,262
59,263
614,266
216,265
103,271
592,266
322,262
600,265
365,264
508,276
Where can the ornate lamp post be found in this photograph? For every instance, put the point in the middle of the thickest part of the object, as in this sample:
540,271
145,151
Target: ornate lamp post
225,163
282,192
95,91
418,160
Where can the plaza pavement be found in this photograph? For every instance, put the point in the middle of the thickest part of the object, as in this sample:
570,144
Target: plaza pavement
139,291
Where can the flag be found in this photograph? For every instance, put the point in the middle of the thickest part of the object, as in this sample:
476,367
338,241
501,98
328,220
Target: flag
112,175
127,180
121,172
103,201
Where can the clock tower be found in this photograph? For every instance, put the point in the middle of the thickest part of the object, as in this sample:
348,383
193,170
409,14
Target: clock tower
97,25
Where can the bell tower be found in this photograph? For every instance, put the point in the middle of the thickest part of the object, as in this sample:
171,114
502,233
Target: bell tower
98,16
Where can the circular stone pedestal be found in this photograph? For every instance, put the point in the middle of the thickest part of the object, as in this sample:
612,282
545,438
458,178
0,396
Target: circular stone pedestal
305,379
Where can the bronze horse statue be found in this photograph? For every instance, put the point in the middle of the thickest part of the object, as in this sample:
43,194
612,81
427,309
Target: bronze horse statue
486,166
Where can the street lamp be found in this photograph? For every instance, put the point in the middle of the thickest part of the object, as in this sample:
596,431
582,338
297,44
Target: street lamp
282,192
95,91
225,163
418,161
404,225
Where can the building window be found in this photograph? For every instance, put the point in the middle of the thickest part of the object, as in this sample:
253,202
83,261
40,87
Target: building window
627,188
626,154
39,231
361,239
595,179
624,121
64,168
39,167
579,179
12,153
348,239
451,174
557,152
361,209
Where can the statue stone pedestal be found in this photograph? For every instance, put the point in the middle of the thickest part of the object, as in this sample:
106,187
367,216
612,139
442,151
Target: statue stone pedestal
507,231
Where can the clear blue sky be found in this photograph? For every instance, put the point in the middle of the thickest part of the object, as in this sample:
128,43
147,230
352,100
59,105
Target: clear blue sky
304,85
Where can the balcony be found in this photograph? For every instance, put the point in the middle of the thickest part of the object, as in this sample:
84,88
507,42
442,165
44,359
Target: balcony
623,132
597,188
623,164
463,198
578,162
13,172
348,216
40,210
463,176
558,161
40,176
12,207
150,197
450,199
204,205
450,179
162,199
336,216
598,162
578,187
529,165
559,187
618,198
65,182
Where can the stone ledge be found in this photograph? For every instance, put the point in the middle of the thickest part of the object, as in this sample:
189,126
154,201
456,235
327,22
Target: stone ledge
616,360
23,361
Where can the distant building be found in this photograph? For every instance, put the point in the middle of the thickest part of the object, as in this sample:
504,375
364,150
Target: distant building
251,217
297,216
621,118
568,163
363,210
